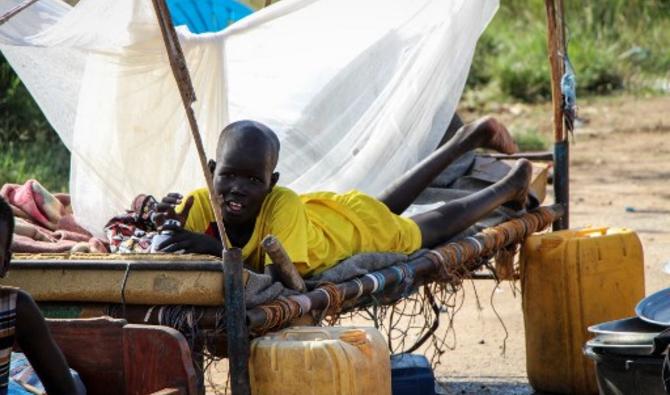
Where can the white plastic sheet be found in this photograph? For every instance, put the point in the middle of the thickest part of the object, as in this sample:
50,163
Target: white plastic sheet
357,90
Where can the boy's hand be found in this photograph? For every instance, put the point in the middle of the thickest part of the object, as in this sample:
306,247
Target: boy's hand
195,243
166,209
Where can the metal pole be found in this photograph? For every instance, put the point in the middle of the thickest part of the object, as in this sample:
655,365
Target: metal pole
556,47
236,326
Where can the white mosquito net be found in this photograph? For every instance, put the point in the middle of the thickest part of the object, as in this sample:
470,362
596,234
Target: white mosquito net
357,90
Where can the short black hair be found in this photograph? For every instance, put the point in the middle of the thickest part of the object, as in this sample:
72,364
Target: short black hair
255,129
7,217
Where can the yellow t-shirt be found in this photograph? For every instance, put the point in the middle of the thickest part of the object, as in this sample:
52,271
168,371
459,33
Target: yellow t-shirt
316,229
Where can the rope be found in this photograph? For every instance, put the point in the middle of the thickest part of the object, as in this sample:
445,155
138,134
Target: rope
335,300
359,285
123,289
278,312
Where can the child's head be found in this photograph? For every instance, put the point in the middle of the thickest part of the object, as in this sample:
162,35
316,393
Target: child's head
246,157
6,230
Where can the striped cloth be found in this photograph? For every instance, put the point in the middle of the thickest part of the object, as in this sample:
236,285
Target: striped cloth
7,323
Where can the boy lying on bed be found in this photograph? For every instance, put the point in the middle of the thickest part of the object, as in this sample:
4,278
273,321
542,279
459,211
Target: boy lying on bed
319,229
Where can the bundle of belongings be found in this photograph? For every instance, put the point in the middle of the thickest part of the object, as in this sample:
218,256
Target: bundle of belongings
45,222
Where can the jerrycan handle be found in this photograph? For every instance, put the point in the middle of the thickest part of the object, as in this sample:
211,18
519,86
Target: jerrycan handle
589,232
289,334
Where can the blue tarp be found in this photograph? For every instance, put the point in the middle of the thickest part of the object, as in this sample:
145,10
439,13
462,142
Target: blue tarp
202,16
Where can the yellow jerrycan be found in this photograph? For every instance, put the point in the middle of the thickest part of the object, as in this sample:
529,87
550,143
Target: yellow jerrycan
571,280
320,361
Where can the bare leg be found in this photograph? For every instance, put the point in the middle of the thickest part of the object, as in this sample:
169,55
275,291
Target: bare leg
483,133
445,222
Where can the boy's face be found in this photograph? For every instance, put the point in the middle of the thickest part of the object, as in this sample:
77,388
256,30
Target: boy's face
242,178
5,254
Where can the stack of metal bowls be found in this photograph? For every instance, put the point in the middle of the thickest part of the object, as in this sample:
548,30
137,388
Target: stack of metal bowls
628,360
630,336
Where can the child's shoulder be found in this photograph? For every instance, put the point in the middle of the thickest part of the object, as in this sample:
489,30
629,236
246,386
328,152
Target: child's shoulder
199,193
282,198
283,194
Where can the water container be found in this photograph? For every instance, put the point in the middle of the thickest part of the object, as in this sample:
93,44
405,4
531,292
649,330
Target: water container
320,361
571,280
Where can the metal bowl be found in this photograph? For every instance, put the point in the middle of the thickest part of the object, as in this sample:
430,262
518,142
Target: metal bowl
620,349
626,331
655,308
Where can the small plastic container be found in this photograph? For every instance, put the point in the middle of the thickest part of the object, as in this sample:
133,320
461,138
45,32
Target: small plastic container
164,234
412,374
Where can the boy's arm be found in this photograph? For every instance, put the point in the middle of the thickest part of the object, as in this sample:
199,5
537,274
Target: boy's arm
193,243
36,342
194,213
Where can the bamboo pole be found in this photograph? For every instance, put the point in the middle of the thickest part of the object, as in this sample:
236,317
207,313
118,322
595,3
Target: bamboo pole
556,48
282,265
183,79
11,13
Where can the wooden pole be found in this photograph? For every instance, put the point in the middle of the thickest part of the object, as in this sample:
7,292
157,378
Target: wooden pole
9,14
183,78
556,48
236,326
281,264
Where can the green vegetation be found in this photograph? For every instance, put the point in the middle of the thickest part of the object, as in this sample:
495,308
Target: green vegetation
29,146
613,44
531,140
47,162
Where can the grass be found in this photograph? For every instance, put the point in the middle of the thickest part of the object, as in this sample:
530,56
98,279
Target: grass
47,162
531,140
613,45
30,148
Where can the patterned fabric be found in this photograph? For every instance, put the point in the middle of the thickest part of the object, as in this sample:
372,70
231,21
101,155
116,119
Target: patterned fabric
132,232
7,324
45,222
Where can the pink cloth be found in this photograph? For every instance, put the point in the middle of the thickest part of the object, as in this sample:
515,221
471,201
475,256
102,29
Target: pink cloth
44,222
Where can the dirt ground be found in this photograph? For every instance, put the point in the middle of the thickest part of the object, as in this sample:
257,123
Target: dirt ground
620,176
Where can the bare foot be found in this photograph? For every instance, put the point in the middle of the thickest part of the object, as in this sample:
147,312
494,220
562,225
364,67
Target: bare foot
518,180
487,132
